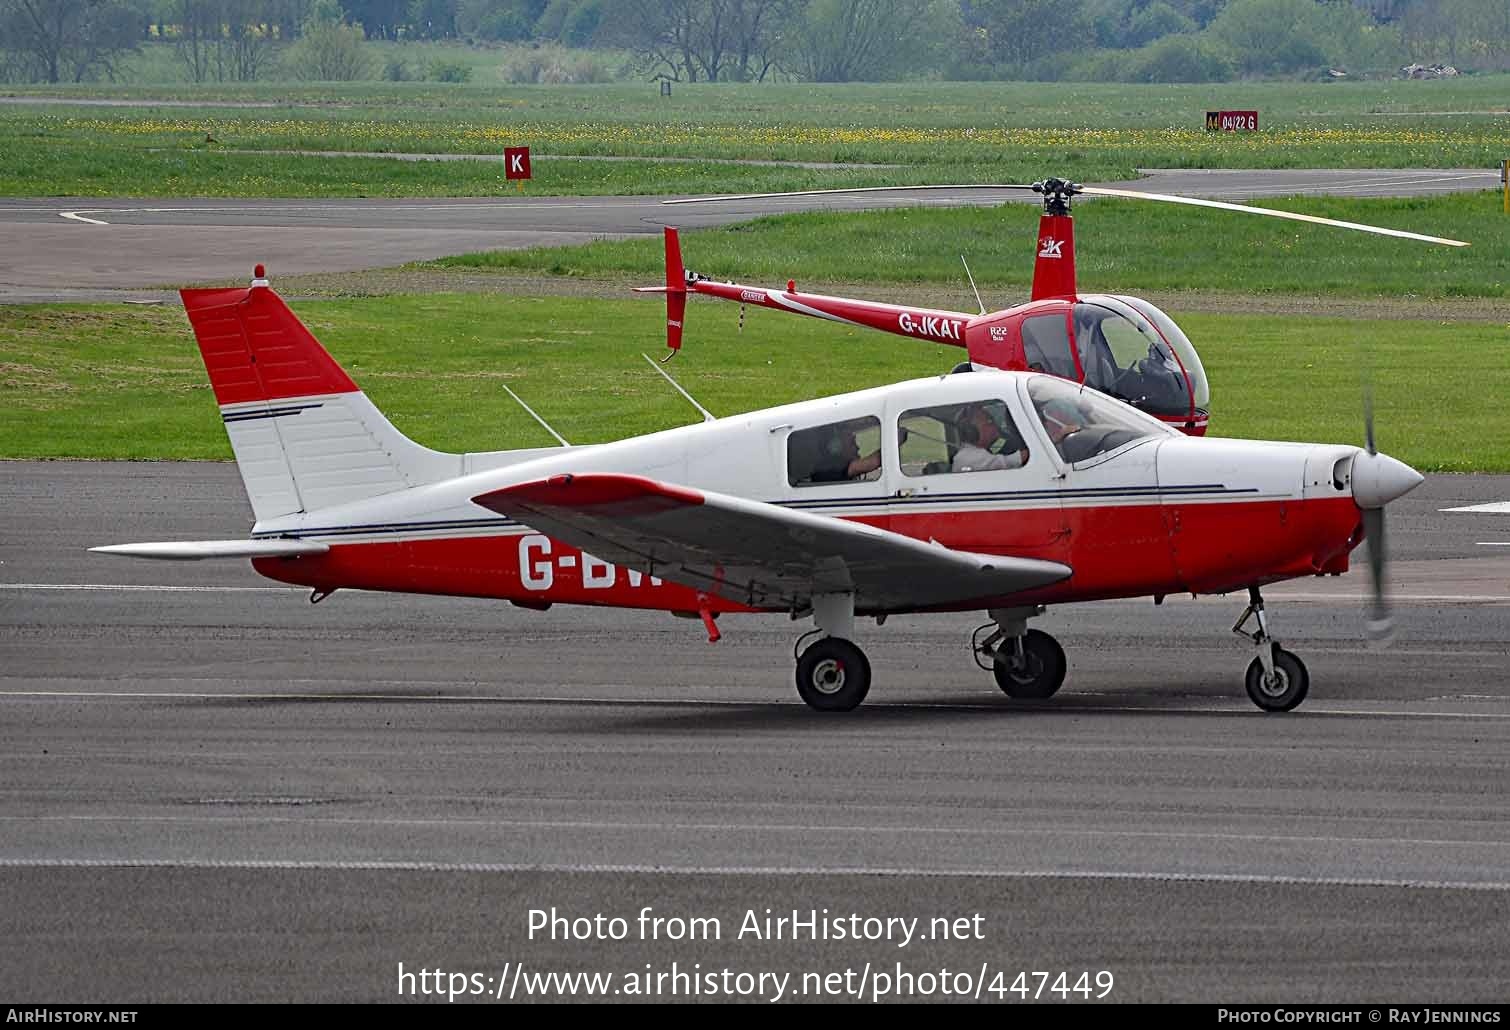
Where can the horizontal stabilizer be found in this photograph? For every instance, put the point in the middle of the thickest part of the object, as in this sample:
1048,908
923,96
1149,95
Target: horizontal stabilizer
197,550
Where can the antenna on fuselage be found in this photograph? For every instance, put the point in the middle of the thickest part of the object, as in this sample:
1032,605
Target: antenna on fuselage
708,416
972,284
536,416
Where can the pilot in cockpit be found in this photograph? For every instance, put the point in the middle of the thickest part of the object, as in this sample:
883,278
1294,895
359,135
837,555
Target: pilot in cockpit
978,431
1062,419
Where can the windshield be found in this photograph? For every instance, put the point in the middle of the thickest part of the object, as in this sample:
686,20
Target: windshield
1124,354
1084,423
1183,348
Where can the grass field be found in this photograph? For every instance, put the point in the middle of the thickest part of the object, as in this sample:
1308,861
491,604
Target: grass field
126,382
1120,246
925,104
29,168
937,132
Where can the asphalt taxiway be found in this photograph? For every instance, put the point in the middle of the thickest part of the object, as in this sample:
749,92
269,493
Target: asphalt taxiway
211,790
95,249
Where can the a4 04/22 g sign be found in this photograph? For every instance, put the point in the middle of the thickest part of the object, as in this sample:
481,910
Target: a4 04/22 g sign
1231,121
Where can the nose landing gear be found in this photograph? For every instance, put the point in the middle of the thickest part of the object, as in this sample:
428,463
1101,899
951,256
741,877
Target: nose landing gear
1277,680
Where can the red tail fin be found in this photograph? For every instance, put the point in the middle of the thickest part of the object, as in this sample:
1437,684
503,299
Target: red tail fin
256,349
1054,269
676,290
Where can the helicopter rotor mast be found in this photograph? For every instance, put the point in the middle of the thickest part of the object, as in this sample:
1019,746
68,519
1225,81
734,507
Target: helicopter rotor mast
1054,265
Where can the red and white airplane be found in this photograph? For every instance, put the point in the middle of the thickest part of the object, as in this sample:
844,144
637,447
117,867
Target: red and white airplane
996,491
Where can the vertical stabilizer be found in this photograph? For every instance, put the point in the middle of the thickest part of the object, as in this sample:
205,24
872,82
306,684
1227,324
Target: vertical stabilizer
676,291
305,437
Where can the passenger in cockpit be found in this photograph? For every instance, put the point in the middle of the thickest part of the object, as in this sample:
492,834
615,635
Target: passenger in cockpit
1062,419
841,458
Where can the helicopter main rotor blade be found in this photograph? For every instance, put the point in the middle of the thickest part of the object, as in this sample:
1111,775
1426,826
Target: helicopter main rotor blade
1167,198
853,189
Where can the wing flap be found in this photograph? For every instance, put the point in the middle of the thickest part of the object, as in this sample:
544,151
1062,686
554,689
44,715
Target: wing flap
198,550
755,553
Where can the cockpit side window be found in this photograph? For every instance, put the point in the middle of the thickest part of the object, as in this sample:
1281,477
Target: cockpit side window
838,452
977,436
1083,423
1046,345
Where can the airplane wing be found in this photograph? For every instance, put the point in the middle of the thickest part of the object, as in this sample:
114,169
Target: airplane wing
196,550
758,554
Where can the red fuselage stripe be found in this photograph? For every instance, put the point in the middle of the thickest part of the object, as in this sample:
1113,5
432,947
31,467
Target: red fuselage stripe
1132,550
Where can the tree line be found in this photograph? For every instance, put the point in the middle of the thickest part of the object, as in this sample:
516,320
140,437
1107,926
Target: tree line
760,40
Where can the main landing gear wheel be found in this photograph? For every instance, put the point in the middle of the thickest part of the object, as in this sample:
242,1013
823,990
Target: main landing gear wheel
1035,674
1285,689
833,675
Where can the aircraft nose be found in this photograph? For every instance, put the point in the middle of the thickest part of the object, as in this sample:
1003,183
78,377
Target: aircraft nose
1379,479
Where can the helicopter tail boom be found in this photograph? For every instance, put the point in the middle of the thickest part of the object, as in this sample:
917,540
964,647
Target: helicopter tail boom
926,323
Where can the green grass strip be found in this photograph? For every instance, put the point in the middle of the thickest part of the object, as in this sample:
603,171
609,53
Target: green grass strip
126,382
1121,246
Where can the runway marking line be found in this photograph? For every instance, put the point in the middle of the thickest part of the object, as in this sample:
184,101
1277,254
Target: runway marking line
658,702
242,818
293,865
1490,508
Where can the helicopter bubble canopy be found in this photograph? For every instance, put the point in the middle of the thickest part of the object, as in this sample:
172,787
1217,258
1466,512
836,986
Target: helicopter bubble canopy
1185,350
1133,351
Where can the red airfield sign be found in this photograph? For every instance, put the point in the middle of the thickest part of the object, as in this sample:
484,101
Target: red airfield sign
1231,121
516,162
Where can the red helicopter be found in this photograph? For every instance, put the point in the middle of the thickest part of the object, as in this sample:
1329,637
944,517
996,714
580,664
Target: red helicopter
1121,345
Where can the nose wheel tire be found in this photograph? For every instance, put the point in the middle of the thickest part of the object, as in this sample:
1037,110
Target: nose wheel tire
833,675
1037,674
1285,689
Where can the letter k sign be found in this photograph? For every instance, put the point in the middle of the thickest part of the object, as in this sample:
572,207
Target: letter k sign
516,162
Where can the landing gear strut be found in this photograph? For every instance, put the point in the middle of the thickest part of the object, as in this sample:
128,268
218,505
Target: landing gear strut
1028,663
833,675
1276,680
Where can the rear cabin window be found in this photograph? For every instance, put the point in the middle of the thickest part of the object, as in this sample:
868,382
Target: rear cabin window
840,452
978,436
